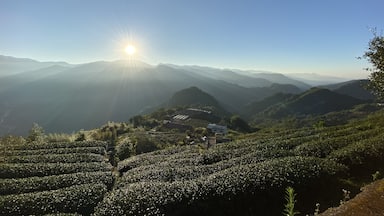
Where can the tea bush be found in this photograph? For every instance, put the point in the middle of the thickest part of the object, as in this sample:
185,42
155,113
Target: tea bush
55,158
34,184
52,145
90,150
23,170
75,199
152,197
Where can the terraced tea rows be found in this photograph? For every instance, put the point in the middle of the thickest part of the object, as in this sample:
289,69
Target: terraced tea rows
51,178
243,177
248,177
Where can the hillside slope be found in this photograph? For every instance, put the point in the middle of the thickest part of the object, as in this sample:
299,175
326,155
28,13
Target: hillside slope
369,202
315,101
192,96
357,89
259,106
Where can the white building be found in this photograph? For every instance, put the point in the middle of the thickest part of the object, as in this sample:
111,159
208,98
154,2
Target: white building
219,129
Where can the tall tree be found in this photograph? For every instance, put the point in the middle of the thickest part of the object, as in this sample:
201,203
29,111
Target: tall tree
36,134
375,56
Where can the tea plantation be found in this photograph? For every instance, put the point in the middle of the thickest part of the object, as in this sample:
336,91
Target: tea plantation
243,177
248,176
52,178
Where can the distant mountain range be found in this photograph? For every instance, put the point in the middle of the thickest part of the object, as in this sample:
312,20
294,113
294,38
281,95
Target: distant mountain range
63,98
315,79
10,65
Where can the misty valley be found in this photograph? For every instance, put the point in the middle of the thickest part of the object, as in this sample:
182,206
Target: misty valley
128,138
66,98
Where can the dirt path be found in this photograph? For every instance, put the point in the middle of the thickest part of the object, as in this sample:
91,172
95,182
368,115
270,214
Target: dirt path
370,202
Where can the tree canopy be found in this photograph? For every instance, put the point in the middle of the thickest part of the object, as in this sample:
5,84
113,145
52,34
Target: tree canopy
36,134
375,56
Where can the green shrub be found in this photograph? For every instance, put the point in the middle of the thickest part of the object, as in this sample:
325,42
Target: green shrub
75,199
63,214
46,169
323,147
34,184
125,150
52,145
360,152
90,150
55,158
146,197
149,158
144,145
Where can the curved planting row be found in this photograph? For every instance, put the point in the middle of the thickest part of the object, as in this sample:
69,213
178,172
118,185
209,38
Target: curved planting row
183,169
89,150
34,184
369,151
59,178
52,145
23,170
55,158
247,177
178,197
194,156
323,146
75,199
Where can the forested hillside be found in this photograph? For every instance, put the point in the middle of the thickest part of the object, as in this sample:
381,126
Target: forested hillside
316,101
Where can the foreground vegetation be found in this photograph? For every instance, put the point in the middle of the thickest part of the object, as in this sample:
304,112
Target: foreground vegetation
248,176
58,177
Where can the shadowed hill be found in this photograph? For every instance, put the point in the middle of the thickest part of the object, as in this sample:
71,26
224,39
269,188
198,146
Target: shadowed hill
315,101
356,89
264,104
195,97
192,96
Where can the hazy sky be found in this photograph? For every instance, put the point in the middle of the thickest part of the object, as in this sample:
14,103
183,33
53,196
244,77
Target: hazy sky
293,36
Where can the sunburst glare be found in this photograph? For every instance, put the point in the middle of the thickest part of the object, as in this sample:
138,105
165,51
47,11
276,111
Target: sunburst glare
130,50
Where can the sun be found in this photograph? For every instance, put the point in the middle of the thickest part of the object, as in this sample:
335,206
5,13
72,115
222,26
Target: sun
130,49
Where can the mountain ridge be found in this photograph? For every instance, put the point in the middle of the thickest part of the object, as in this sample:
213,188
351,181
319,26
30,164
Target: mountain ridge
87,95
315,101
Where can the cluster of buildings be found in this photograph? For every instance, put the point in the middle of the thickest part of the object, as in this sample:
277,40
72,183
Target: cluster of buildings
180,120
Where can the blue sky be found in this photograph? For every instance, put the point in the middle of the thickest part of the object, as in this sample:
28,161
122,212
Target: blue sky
296,36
